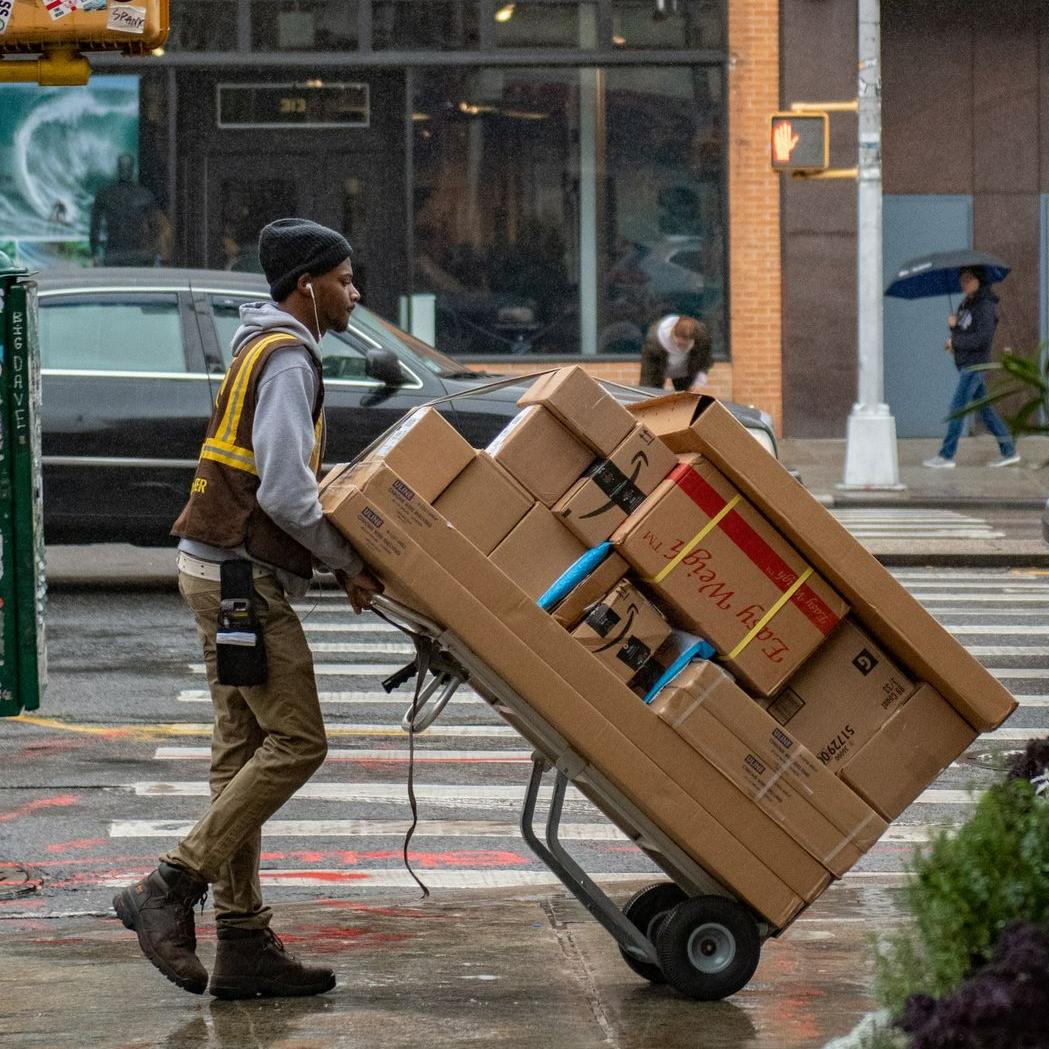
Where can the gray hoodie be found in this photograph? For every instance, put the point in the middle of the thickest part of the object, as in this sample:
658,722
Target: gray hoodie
283,439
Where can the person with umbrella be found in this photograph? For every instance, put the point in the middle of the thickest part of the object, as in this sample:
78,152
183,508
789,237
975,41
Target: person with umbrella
972,332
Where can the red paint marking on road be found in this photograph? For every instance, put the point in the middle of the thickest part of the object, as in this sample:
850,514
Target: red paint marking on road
55,802
78,843
21,903
384,912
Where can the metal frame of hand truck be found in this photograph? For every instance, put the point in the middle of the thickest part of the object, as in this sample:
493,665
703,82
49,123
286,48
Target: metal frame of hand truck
553,752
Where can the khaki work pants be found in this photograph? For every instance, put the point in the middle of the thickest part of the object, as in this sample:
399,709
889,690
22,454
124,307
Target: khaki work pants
266,743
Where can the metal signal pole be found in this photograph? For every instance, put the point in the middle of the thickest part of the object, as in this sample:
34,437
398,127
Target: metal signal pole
870,452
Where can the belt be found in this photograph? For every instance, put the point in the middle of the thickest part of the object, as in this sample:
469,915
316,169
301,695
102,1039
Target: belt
211,570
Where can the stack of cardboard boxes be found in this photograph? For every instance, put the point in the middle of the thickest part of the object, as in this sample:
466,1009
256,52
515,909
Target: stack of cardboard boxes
834,699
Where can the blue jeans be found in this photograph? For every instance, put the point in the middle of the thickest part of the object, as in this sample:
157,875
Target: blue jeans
971,388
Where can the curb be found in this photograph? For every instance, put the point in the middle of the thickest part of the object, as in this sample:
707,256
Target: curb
894,500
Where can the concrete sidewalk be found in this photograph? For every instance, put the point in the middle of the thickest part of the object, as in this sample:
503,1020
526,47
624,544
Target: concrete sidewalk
484,969
821,464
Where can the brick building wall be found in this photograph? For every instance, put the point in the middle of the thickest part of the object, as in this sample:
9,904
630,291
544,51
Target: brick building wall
755,314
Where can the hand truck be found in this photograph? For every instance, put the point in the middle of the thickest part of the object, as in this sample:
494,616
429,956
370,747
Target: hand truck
690,932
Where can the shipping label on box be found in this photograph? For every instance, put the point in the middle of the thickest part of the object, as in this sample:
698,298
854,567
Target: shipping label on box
681,704
729,576
541,454
842,695
425,451
788,757
623,630
593,415
908,752
613,488
484,502
570,610
537,551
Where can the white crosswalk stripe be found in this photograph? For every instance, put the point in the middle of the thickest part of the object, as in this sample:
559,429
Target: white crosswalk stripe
906,523
337,835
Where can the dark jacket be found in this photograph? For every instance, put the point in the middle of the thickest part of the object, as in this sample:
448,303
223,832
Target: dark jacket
654,357
972,336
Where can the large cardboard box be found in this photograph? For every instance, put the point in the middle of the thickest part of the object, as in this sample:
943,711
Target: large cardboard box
623,630
600,501
588,591
593,415
426,451
541,454
924,736
484,502
537,551
841,696
707,708
517,640
691,423
730,577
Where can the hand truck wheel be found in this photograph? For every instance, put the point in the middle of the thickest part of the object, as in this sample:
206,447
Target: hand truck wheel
708,947
647,909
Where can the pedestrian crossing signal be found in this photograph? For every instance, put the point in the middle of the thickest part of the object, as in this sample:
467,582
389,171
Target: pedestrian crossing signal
800,142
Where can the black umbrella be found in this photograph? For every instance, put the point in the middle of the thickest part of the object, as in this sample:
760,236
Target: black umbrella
937,274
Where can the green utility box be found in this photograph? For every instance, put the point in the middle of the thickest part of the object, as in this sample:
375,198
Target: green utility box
23,653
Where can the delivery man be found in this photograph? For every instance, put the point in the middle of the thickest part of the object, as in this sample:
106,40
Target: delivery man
251,534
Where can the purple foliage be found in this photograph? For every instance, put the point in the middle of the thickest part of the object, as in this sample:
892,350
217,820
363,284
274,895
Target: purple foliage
1032,762
1003,1006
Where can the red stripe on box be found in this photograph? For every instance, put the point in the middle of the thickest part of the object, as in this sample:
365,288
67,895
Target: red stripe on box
756,550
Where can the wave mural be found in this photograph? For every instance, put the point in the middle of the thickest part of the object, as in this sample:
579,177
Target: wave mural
58,147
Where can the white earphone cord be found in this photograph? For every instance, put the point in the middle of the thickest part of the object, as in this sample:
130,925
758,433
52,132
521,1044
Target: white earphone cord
316,317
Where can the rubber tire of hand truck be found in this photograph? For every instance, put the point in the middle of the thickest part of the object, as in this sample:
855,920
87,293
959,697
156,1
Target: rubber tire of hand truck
708,947
647,909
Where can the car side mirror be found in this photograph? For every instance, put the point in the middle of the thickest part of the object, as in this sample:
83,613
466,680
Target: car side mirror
382,364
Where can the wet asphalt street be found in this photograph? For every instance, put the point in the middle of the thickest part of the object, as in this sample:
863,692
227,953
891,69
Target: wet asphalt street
113,767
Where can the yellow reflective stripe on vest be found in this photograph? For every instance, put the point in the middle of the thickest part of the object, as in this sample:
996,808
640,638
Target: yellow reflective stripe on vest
230,454
235,406
318,443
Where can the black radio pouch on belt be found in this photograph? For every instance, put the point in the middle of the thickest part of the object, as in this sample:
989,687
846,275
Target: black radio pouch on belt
240,651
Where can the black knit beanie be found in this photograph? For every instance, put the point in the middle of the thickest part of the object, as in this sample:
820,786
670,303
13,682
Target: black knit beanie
288,248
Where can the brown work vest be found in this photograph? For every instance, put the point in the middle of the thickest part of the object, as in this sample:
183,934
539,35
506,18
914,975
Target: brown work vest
222,509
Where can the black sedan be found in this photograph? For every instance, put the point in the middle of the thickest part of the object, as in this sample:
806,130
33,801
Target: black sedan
133,359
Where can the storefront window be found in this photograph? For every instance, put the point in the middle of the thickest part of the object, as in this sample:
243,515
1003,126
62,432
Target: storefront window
203,25
304,25
541,233
664,162
437,25
495,208
668,24
544,23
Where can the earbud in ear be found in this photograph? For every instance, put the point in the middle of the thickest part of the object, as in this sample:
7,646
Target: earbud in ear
309,284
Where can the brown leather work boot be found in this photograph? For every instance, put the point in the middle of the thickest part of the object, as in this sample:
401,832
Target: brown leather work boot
252,963
160,910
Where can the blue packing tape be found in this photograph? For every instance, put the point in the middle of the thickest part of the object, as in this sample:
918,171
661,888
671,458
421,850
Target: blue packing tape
574,575
700,650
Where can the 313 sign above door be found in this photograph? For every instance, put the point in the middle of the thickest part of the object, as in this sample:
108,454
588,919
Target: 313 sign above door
313,104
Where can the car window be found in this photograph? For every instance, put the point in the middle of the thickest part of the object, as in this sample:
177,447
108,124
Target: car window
342,353
385,334
111,333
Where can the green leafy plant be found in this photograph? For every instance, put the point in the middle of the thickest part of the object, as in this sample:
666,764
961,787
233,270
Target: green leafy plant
1024,376
967,886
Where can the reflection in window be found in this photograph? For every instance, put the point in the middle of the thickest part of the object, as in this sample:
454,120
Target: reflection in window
664,159
437,25
203,25
113,335
496,208
669,24
534,23
303,25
